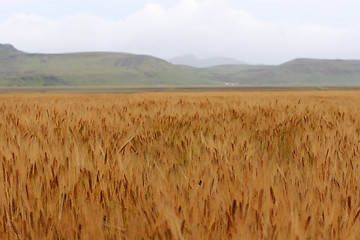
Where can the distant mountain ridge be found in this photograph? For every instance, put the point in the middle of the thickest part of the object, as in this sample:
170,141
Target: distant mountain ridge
7,50
18,68
191,60
90,68
298,72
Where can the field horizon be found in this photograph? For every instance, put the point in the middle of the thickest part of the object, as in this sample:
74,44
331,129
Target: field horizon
170,89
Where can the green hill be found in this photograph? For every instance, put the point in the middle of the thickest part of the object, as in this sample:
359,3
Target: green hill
77,69
298,72
18,68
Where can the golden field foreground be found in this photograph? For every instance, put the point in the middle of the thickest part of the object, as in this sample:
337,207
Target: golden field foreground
262,165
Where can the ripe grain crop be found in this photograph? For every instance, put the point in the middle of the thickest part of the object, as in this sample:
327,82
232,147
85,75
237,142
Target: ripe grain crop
180,166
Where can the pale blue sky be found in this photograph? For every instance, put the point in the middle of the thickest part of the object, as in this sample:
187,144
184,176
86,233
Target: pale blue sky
256,31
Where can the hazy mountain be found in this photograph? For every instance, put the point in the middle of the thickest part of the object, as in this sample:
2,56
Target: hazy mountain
104,68
296,72
7,50
191,60
93,68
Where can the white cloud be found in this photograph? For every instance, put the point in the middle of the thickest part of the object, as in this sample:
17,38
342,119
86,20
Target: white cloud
205,28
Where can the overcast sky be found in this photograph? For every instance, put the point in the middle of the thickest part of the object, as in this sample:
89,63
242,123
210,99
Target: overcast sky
254,31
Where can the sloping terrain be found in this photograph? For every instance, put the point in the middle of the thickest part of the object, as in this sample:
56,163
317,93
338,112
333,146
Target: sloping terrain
102,68
190,60
18,68
295,73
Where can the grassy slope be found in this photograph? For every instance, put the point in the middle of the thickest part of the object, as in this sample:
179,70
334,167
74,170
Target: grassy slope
296,72
92,69
77,69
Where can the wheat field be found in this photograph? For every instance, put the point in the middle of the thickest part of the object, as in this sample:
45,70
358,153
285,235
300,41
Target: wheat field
265,165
